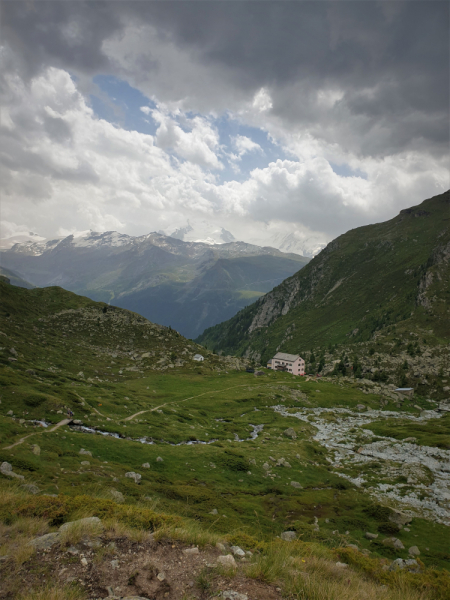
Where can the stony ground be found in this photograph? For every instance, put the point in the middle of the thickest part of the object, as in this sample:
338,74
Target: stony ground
120,568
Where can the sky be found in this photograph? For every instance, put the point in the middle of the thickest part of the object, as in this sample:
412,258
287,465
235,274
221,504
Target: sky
271,119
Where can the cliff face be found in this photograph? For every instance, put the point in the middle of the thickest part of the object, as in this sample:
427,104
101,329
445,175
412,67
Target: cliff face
366,279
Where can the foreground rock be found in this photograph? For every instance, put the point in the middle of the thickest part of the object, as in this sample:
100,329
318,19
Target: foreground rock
288,536
6,469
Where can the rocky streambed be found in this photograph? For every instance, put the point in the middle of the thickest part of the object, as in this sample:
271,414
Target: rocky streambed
423,471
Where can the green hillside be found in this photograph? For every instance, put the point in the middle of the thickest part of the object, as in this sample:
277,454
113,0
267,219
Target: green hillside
223,454
371,278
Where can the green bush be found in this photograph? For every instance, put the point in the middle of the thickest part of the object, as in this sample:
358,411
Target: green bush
378,512
34,400
233,461
388,527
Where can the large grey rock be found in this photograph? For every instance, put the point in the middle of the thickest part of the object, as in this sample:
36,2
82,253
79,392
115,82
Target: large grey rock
289,432
394,543
88,521
370,536
6,469
414,551
117,496
296,484
134,476
44,542
410,564
288,536
399,518
159,459
85,452
237,551
227,561
146,466
190,551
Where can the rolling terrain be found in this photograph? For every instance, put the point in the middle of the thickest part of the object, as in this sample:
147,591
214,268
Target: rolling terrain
200,453
187,285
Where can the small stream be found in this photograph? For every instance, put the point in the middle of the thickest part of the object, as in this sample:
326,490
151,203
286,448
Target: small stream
83,429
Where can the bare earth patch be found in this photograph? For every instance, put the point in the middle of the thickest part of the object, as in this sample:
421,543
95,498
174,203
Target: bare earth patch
121,568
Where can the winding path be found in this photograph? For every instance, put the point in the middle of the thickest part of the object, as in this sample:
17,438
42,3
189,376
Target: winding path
54,428
185,399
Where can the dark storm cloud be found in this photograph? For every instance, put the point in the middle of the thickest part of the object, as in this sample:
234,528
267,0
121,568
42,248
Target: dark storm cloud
390,59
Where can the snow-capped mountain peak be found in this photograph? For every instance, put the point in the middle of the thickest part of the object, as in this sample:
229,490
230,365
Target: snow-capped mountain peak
200,231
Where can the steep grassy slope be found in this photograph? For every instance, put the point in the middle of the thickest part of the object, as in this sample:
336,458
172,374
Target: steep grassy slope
396,272
186,285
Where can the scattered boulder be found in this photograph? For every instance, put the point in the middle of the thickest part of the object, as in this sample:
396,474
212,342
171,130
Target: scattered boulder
289,432
159,459
297,485
282,462
414,551
134,476
85,463
190,551
399,518
35,449
214,511
6,469
221,547
342,565
227,561
146,466
44,542
370,536
394,543
85,452
117,496
288,536
410,564
266,467
30,487
237,551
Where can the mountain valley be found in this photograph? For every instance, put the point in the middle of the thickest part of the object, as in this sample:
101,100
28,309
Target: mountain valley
218,457
187,285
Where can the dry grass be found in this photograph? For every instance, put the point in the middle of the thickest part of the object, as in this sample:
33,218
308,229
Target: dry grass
15,538
303,574
78,531
115,528
54,592
189,533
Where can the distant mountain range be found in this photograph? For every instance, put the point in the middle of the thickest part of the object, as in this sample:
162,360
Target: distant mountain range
367,280
185,284
208,233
